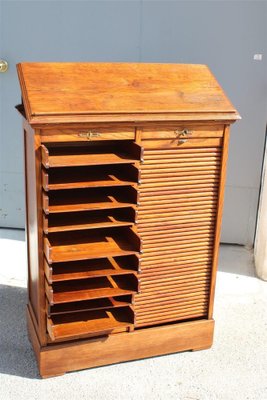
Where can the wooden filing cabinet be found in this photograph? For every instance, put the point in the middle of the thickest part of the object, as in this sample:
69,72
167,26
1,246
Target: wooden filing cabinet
125,170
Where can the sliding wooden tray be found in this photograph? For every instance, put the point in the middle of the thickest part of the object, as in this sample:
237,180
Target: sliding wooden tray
89,199
91,268
92,153
89,305
89,220
92,288
70,326
87,177
58,247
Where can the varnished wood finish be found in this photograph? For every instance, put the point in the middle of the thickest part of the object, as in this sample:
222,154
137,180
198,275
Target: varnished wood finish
125,170
125,89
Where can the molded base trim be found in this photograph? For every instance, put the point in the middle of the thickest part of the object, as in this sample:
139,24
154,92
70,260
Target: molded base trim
142,343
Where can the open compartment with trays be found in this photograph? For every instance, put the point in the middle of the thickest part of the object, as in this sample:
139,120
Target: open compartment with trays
92,176
75,221
90,323
93,243
89,199
91,153
84,269
91,246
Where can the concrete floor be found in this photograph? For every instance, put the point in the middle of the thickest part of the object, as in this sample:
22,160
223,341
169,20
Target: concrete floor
235,368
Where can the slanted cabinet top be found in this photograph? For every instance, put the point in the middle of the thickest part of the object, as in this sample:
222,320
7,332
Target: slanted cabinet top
92,92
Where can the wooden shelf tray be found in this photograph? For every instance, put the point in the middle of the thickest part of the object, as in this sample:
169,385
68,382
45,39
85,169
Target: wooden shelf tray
89,220
86,177
96,153
69,326
89,199
91,268
93,288
89,305
59,247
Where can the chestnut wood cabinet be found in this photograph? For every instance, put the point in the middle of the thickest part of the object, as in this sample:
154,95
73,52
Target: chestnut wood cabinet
125,170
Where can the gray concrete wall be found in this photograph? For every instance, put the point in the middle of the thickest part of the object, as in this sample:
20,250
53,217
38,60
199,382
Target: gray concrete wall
223,34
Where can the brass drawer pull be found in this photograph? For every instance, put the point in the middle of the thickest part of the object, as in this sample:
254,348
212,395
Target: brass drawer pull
182,135
89,135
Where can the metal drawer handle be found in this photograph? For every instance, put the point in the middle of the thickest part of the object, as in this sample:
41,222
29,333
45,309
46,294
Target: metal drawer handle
89,135
182,135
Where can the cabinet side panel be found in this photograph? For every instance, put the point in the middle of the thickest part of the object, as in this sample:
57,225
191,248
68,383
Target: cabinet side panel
34,226
219,218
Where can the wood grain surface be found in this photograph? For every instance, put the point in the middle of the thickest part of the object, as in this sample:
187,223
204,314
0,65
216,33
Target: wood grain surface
177,230
68,89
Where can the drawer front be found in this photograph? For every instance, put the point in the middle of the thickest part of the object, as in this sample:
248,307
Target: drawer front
182,131
87,134
185,142
176,221
182,136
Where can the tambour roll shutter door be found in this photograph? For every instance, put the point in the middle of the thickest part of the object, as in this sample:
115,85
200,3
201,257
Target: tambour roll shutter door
177,220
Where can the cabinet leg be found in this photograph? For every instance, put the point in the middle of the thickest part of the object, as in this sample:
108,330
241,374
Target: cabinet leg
52,376
201,348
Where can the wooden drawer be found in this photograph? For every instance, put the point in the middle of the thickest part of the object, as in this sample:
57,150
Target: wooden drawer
87,134
182,137
176,131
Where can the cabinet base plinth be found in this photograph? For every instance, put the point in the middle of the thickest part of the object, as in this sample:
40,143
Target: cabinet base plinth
58,359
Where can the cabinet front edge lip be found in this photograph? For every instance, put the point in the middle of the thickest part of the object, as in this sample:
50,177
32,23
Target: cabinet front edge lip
70,120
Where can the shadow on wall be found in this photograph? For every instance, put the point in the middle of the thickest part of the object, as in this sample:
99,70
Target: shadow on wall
236,259
17,357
